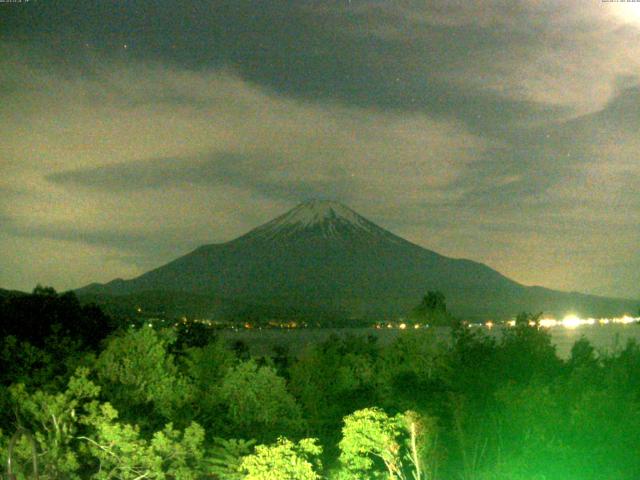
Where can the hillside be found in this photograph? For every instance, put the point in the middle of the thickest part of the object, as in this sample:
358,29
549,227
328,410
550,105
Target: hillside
323,257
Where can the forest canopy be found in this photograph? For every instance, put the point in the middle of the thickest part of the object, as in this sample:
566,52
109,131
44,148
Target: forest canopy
100,399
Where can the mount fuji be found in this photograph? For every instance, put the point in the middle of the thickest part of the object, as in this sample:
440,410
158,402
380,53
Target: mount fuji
321,258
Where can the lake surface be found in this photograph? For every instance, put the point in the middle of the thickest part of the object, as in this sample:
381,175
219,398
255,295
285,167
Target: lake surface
605,338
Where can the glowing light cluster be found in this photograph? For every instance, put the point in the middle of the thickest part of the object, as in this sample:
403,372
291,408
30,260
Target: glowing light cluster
548,322
570,321
400,326
573,321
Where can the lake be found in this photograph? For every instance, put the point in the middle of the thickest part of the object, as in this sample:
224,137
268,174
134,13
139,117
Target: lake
605,338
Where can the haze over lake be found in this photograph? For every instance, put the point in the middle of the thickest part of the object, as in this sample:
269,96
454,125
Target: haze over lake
604,338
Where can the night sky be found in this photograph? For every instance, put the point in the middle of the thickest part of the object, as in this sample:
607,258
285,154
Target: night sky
506,132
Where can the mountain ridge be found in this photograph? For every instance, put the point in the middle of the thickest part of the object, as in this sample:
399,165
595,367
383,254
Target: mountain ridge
322,255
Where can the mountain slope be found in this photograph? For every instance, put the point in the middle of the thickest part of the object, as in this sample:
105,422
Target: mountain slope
323,256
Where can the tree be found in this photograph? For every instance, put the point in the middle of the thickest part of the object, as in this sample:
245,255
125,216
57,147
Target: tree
55,422
411,371
376,445
45,336
45,313
284,460
206,367
78,437
137,372
526,319
258,404
432,309
225,457
123,454
526,351
334,378
370,436
421,444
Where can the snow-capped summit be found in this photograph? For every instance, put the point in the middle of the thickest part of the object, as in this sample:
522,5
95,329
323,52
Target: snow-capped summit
318,211
331,219
323,259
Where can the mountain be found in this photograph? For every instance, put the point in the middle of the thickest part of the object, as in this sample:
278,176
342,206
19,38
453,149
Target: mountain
322,257
10,293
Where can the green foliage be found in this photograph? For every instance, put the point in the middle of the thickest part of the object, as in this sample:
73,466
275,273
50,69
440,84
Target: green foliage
576,426
335,378
79,437
411,372
224,460
257,402
124,455
193,334
45,336
376,445
421,444
432,309
474,366
530,415
526,352
481,408
54,420
21,362
206,367
526,319
45,314
284,460
370,436
138,373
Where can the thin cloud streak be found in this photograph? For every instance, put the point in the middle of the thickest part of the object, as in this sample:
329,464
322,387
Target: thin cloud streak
495,131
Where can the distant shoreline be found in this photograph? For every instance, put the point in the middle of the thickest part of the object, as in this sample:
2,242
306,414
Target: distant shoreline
262,341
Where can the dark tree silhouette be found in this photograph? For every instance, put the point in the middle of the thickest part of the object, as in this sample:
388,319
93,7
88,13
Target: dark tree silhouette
433,309
38,316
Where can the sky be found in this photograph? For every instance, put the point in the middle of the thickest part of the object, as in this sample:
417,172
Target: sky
501,131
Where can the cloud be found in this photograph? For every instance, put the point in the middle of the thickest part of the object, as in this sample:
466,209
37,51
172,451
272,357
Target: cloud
251,172
500,131
512,62
308,50
143,157
124,240
516,56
